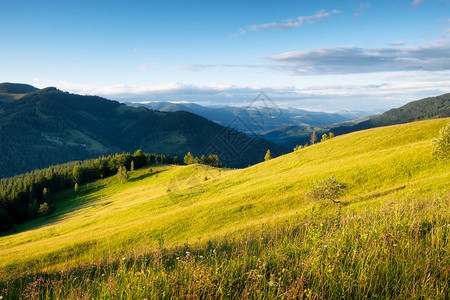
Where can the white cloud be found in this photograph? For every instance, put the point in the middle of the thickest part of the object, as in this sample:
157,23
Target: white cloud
416,3
350,59
385,91
445,33
241,31
289,23
397,43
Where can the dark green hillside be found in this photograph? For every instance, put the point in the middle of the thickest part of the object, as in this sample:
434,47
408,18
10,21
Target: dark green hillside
428,108
16,88
48,126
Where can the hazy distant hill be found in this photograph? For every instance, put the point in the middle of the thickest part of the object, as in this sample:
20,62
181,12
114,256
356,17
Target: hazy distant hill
253,120
48,126
427,108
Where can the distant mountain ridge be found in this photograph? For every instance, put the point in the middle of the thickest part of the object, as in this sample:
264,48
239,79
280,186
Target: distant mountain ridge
253,120
48,126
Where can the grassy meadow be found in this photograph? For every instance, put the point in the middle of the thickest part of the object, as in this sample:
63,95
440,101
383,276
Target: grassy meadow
200,232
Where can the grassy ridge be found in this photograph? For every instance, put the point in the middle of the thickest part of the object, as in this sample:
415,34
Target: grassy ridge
398,194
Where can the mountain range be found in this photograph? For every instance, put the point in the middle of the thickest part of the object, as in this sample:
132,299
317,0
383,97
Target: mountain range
255,118
42,127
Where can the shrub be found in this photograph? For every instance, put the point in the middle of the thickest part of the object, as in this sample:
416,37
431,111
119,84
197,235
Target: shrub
327,189
441,145
122,174
45,210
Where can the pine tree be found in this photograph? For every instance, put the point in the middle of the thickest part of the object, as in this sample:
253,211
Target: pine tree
122,174
189,158
268,155
313,138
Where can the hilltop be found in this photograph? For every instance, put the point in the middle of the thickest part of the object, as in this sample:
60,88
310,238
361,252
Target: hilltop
386,170
46,127
16,88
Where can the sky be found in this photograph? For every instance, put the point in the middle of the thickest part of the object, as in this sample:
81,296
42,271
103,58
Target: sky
316,55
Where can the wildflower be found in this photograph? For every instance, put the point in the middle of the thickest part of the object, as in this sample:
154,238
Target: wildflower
272,283
355,251
103,274
123,258
178,258
259,275
188,253
201,256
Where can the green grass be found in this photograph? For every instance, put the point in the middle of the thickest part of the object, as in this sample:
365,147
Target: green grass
258,234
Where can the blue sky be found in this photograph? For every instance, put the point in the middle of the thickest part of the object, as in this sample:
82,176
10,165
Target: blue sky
318,55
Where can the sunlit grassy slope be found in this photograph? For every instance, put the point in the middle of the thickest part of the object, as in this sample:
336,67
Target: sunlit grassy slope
175,204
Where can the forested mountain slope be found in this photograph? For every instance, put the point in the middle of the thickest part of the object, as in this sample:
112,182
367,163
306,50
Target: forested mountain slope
48,126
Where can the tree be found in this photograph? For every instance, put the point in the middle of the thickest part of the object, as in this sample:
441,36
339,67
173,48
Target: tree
324,137
268,155
327,189
313,138
139,159
331,135
298,147
78,174
122,174
189,158
213,160
441,145
44,210
132,166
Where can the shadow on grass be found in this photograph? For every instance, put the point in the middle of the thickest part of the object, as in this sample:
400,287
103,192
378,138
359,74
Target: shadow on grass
143,176
373,195
68,201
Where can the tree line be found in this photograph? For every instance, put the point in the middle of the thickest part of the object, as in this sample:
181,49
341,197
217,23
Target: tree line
210,160
27,196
